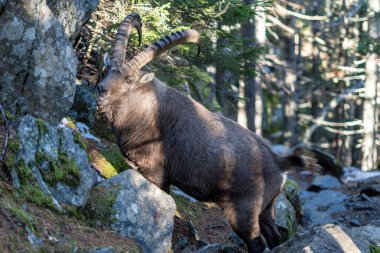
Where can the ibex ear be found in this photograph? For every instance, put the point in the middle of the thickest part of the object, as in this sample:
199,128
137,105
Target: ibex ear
146,78
106,61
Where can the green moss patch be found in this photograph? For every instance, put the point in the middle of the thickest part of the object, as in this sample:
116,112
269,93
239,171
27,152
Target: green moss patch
114,157
105,168
10,156
41,125
100,205
64,170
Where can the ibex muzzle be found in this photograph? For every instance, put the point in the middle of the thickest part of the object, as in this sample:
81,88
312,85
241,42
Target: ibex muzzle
172,139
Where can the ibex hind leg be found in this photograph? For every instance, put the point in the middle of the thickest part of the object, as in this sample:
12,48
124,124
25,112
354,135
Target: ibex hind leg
268,226
244,220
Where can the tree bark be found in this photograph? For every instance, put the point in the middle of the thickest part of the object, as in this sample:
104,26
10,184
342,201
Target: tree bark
369,149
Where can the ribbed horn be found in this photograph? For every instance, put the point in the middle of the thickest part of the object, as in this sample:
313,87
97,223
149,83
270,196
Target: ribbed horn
122,36
160,46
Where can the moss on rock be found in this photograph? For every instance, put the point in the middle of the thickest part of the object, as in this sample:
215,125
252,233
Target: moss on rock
100,205
104,167
63,170
10,156
114,156
41,125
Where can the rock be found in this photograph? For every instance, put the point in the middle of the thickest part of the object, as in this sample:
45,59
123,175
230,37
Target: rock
327,239
362,178
318,207
327,161
372,190
285,217
291,191
371,232
218,248
237,240
84,105
103,250
371,180
361,205
355,223
38,64
58,163
72,14
135,208
323,182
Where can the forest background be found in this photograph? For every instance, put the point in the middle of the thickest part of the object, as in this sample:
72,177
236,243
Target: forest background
295,72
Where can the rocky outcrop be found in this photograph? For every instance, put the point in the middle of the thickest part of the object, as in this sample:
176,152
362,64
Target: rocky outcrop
327,239
135,208
72,14
38,64
56,159
84,107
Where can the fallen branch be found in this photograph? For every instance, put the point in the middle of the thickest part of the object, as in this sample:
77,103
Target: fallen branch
6,133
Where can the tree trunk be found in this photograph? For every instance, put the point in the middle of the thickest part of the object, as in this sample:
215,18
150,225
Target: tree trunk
259,104
248,36
369,149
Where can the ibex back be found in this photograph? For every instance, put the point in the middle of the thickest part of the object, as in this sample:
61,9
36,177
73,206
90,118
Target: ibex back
172,139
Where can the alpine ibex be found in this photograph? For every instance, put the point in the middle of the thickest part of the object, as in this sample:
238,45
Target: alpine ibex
172,139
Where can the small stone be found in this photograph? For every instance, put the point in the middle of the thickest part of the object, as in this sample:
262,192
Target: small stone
324,182
372,190
355,223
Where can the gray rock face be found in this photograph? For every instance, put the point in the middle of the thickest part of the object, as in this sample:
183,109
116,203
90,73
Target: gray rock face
84,105
38,64
218,248
41,144
327,239
285,216
135,208
318,207
72,14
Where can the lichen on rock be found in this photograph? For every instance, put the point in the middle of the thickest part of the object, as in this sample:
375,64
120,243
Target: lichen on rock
135,208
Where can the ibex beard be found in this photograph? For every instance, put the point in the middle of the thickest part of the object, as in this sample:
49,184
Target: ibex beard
172,139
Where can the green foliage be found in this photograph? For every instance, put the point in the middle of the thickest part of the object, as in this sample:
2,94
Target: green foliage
213,19
374,248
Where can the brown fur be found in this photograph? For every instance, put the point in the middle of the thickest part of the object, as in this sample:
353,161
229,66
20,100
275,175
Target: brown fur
172,139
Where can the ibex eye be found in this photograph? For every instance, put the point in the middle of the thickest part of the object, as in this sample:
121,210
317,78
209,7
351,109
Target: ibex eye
129,81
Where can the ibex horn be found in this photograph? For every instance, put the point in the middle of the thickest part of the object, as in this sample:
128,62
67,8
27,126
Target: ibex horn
160,46
122,36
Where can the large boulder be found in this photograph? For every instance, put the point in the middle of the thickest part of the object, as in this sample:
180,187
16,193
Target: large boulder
38,64
327,239
72,14
135,208
285,217
56,159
